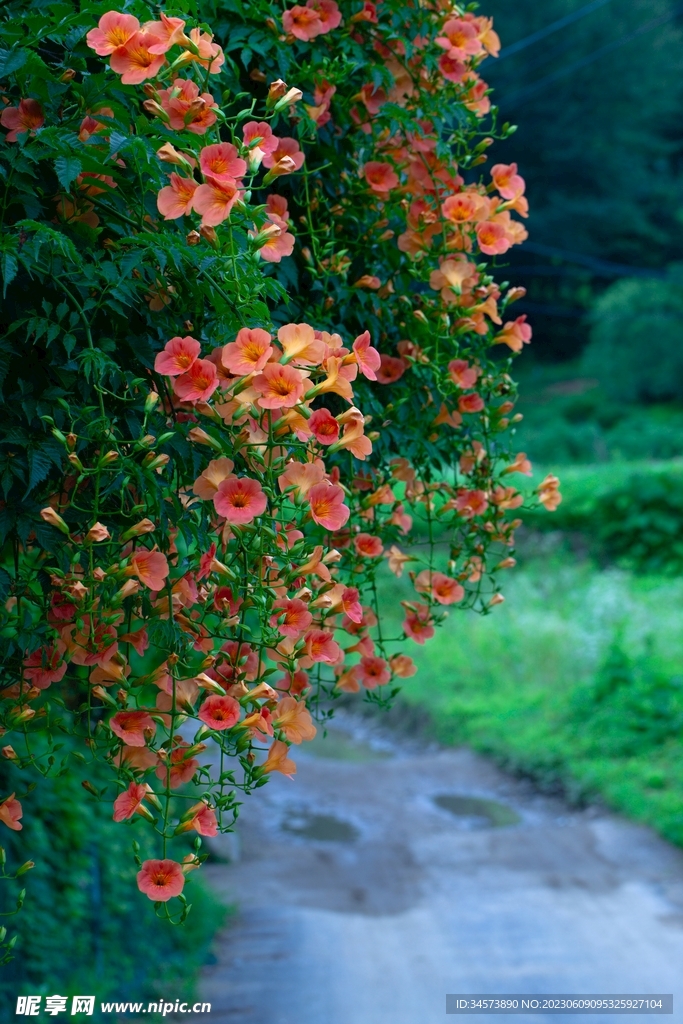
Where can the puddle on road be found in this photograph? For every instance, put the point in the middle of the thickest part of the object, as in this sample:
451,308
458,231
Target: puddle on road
322,827
489,812
340,746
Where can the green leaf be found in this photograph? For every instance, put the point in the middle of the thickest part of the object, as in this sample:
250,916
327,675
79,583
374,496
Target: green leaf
68,168
39,464
9,266
11,60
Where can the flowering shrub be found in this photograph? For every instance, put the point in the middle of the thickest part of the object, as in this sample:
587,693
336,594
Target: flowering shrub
252,353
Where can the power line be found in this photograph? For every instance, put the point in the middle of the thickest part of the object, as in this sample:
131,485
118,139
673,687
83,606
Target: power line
538,86
555,26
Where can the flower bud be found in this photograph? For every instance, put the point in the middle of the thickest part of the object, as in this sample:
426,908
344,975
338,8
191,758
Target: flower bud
97,534
76,462
276,90
193,238
71,440
50,516
507,563
256,75
68,75
17,717
26,866
209,235
290,97
267,232
108,459
285,165
170,155
9,753
199,436
207,683
129,588
139,530
151,401
155,460
101,694
155,108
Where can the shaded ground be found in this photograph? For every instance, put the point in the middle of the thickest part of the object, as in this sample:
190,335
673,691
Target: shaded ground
378,881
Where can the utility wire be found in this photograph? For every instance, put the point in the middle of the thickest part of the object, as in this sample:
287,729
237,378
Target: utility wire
555,26
538,86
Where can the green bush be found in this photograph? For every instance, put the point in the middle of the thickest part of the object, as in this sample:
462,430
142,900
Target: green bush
633,516
641,522
84,927
636,333
629,708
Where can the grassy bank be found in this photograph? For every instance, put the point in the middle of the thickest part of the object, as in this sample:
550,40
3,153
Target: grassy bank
84,927
574,680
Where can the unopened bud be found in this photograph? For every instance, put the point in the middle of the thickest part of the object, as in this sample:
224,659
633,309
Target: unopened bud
151,401
199,436
155,108
9,753
89,787
276,90
193,237
71,440
256,75
285,165
507,563
26,866
18,717
97,534
170,155
76,462
68,75
144,812
265,234
139,530
153,461
207,683
54,519
101,694
129,588
209,235
291,96
108,458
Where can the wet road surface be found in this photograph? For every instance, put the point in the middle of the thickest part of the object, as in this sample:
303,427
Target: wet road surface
386,876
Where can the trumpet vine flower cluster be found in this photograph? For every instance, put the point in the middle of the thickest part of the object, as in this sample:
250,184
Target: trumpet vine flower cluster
271,367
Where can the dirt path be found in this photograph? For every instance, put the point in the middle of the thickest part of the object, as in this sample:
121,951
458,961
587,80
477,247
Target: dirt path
395,884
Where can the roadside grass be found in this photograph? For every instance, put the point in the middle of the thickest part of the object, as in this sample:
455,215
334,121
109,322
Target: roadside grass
576,680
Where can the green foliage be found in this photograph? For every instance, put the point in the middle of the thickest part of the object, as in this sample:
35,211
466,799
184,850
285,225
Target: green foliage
570,418
629,514
635,349
83,927
629,709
